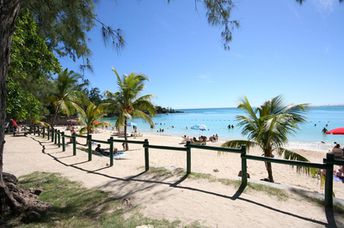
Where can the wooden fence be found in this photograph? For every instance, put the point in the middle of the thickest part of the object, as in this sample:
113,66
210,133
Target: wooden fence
58,137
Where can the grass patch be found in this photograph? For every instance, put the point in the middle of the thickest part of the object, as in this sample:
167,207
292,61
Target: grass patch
77,206
253,187
161,171
279,193
337,207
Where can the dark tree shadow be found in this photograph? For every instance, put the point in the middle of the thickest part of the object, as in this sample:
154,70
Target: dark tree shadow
329,211
151,183
180,180
330,217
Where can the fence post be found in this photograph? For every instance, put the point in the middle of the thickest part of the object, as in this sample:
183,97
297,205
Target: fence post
59,138
34,129
48,133
110,140
52,134
55,136
74,144
329,180
43,132
38,132
145,145
89,142
243,166
188,158
63,141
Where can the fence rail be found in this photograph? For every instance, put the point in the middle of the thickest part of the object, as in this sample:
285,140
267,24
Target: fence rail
128,141
100,141
166,147
222,149
286,162
58,137
338,161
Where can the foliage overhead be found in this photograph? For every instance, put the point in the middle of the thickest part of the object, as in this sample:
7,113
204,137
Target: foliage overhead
66,89
95,95
32,64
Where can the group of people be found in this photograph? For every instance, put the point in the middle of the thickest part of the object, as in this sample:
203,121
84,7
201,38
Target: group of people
160,130
214,138
230,126
338,153
107,152
201,139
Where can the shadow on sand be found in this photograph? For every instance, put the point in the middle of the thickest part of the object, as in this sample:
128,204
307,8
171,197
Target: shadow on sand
331,222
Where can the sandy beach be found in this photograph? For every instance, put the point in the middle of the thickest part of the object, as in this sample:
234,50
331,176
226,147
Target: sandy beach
162,196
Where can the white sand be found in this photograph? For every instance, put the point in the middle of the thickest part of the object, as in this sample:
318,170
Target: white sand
210,203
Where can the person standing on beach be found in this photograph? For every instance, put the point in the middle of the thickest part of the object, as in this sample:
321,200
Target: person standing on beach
14,126
337,151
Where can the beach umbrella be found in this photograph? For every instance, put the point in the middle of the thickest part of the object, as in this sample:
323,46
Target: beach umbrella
200,127
336,131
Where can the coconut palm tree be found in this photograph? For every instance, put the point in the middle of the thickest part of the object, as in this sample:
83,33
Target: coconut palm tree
268,127
65,92
129,102
90,115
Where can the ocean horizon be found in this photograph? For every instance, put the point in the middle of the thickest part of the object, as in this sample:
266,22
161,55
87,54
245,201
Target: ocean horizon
217,120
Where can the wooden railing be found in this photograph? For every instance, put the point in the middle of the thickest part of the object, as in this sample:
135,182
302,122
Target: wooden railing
58,137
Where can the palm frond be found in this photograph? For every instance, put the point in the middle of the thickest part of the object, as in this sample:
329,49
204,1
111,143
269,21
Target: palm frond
147,118
144,105
83,130
239,143
128,102
290,155
246,106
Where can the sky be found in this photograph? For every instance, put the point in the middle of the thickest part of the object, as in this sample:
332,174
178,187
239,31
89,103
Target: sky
280,48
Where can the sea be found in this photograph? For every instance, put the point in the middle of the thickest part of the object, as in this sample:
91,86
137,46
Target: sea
216,120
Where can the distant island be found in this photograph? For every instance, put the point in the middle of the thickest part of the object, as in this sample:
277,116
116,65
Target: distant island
163,110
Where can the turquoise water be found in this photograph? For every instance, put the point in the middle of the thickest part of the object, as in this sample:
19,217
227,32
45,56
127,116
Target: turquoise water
217,120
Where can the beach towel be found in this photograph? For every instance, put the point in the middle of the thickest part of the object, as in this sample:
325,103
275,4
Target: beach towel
338,179
119,155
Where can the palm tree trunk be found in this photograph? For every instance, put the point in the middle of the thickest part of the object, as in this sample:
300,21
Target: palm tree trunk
55,116
269,166
9,10
125,135
269,169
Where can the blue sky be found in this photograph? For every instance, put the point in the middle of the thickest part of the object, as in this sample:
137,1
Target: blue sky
280,48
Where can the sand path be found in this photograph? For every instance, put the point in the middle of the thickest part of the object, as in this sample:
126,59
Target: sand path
212,204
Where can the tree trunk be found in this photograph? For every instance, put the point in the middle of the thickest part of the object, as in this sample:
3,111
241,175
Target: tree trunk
268,166
9,10
55,116
125,135
269,169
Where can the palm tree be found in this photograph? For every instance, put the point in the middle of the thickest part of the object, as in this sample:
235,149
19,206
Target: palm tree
268,127
128,101
65,93
89,116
